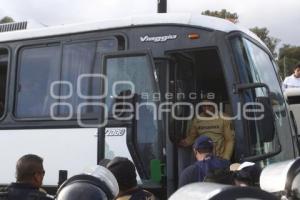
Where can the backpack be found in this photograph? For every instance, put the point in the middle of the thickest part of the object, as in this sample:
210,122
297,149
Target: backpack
210,164
222,176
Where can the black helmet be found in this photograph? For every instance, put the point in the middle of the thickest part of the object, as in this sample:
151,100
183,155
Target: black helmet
97,184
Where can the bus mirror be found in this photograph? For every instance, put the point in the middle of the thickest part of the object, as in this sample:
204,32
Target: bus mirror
282,179
214,191
266,124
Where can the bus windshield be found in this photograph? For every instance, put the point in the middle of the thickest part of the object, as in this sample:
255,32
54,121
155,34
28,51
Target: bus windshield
256,66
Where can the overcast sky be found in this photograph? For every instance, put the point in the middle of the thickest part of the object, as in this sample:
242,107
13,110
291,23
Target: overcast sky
281,17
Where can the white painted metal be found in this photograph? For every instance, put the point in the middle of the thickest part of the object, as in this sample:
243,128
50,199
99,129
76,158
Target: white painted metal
158,18
274,177
196,191
116,144
289,92
62,149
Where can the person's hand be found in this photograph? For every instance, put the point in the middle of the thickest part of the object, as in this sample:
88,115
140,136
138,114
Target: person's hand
183,143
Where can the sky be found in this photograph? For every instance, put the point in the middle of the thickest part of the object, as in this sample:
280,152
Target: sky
281,17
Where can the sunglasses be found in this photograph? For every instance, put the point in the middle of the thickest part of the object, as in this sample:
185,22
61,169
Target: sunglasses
42,172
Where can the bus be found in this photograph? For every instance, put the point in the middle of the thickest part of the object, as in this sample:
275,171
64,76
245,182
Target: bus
67,93
292,96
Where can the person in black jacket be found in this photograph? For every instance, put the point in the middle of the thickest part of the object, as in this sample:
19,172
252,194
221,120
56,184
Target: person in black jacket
206,163
29,174
124,171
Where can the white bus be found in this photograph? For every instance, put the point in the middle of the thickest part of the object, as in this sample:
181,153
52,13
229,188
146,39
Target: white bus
59,85
292,96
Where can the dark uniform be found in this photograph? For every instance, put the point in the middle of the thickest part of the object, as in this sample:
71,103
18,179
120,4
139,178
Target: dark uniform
137,194
125,173
200,169
23,191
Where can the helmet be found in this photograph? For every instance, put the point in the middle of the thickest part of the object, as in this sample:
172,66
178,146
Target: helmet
97,183
214,191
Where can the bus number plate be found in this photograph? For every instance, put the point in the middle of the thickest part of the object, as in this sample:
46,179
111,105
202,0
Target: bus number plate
115,131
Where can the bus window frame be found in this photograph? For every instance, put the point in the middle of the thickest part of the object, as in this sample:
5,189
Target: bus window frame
5,106
132,145
60,41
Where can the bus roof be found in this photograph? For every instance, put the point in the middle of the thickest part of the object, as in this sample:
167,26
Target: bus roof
140,20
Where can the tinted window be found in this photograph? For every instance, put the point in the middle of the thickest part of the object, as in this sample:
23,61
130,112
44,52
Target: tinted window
78,59
3,78
38,68
83,59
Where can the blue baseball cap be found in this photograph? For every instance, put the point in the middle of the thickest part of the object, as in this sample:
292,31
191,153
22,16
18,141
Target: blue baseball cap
203,142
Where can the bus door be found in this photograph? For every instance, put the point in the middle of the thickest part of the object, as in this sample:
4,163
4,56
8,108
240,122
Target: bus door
194,75
133,128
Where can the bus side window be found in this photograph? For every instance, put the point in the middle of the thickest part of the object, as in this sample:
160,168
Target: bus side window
3,78
84,58
34,96
38,68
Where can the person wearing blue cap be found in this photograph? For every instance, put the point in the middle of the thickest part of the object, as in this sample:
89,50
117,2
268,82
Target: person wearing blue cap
205,164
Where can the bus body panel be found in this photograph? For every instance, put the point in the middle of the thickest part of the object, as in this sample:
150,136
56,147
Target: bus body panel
73,150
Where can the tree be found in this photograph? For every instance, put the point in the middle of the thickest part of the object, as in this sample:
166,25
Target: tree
6,19
263,34
224,14
288,57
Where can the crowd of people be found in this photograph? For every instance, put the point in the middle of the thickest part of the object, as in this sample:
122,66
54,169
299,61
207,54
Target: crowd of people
117,178
211,168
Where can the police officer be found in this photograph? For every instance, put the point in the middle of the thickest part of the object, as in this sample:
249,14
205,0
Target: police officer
98,183
247,174
124,171
206,162
30,174
214,125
